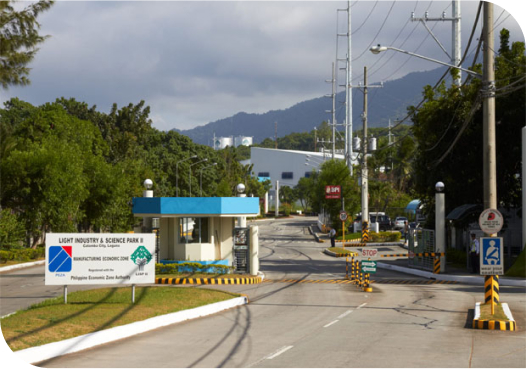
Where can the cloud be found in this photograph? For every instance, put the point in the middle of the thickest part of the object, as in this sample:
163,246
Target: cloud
195,62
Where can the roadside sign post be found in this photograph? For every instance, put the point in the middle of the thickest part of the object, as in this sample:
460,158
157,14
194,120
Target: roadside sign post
491,253
369,266
343,218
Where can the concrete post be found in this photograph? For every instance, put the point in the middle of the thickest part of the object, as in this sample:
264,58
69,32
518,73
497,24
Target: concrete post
277,199
523,187
254,250
266,202
440,224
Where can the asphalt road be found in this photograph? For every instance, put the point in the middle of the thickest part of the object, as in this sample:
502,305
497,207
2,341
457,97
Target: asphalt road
299,319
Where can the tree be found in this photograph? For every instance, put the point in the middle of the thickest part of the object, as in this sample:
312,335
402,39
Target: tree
448,131
19,39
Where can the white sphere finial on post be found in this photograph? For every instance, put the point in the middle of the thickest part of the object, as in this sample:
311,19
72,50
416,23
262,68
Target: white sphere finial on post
148,183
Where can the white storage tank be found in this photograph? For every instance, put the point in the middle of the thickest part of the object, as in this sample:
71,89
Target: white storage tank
222,142
243,141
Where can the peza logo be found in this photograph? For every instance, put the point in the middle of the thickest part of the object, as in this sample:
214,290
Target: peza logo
141,256
60,258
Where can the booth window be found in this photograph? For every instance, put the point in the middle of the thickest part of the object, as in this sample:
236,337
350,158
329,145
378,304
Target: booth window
287,175
194,230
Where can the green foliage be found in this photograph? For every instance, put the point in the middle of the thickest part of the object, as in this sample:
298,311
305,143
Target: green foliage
456,113
385,236
174,268
456,256
19,39
21,254
12,231
518,269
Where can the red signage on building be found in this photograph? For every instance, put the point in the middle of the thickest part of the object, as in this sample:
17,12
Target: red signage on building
333,192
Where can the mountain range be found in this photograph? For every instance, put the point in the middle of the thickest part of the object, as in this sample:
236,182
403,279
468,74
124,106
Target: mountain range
389,102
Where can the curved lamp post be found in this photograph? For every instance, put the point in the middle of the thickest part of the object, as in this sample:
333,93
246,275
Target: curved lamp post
190,173
378,49
177,173
201,178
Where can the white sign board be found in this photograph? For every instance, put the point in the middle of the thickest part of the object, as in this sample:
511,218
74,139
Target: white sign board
491,256
491,221
100,258
369,253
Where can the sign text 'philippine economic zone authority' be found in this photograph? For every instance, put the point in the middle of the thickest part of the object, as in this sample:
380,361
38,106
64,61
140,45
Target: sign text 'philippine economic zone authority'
100,258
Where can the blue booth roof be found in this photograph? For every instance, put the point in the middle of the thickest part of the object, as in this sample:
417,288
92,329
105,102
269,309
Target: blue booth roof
195,206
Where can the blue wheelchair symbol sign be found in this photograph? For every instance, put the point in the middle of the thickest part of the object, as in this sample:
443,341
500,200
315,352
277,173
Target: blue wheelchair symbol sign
491,251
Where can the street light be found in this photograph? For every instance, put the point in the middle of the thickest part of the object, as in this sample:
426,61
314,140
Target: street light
201,178
378,49
177,173
190,173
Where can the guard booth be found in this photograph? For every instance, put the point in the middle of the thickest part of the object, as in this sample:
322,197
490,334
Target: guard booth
201,229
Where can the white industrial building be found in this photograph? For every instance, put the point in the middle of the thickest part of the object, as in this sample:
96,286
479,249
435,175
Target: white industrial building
286,166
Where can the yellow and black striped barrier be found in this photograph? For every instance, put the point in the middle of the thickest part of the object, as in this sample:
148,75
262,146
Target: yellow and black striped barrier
365,231
436,265
426,254
491,288
498,325
208,281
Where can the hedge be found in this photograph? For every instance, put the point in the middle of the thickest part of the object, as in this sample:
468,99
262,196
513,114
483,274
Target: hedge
21,254
194,268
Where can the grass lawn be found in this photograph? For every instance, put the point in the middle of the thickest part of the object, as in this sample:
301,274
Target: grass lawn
485,312
14,262
96,310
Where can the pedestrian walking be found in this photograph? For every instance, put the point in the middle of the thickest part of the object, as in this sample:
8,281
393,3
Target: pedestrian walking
406,231
332,235
474,250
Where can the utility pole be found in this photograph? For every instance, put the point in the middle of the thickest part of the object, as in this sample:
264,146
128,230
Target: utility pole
276,134
333,111
365,180
489,142
488,83
456,41
365,171
348,126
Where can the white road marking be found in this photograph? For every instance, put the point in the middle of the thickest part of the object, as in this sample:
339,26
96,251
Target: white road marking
362,305
345,314
331,323
279,352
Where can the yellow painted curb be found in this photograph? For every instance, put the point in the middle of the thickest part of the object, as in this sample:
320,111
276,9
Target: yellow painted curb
208,281
499,325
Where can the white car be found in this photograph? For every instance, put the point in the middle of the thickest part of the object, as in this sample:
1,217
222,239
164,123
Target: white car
399,223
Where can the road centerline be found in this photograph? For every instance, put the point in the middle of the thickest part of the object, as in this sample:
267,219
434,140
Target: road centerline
279,352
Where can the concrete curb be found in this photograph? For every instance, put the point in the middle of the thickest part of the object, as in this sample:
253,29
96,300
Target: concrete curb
330,253
21,266
498,325
209,281
315,235
40,353
475,280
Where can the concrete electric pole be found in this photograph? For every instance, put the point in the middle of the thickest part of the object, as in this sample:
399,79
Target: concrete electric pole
456,41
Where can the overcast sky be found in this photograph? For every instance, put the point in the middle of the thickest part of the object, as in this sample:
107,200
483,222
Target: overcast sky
195,62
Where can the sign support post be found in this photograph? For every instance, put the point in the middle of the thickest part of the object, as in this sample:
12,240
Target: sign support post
491,253
65,294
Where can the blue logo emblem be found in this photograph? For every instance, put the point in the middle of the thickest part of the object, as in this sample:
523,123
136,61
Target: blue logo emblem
60,258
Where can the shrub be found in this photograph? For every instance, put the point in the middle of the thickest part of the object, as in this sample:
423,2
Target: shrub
21,254
192,267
